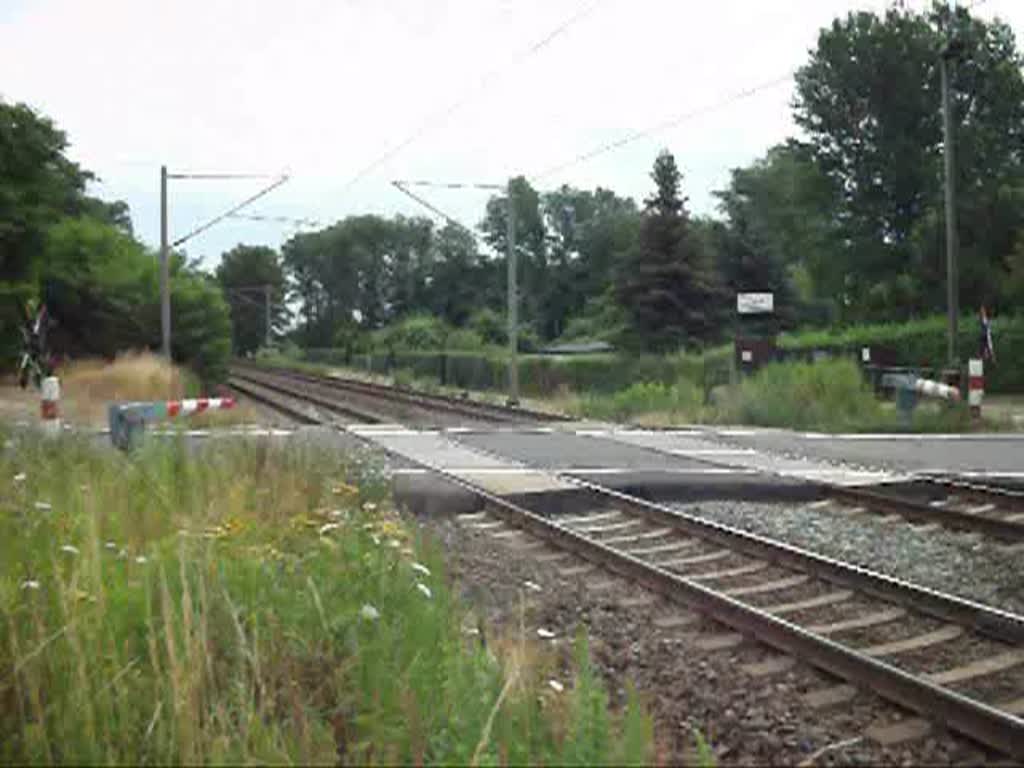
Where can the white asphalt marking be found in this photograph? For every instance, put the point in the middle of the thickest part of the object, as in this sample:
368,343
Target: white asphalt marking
736,432
658,432
712,451
666,470
391,432
995,475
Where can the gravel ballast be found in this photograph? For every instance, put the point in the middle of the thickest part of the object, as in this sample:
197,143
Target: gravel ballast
749,719
964,564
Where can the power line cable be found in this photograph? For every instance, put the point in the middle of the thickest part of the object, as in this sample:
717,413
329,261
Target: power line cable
399,185
217,219
436,118
664,126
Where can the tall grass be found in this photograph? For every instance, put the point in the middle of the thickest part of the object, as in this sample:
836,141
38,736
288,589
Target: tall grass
644,401
829,395
255,604
89,386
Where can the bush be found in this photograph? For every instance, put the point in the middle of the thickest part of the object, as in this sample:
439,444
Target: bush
490,326
412,332
679,401
830,395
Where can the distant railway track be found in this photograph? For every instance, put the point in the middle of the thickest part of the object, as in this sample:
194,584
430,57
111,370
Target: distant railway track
388,398
949,659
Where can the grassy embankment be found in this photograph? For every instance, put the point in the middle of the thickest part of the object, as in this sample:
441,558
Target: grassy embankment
256,604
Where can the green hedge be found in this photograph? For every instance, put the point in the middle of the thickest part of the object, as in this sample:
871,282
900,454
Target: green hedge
541,374
919,343
923,343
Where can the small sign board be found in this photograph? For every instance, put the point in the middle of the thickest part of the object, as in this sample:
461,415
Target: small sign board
755,303
747,356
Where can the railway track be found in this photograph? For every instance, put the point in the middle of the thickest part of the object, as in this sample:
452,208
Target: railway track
950,660
993,512
366,399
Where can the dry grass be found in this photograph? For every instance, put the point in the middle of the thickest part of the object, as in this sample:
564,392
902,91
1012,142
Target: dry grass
89,386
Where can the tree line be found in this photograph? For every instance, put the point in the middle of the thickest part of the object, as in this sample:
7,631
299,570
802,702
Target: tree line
844,223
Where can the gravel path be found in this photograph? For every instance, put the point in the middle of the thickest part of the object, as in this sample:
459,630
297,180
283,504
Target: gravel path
749,719
964,564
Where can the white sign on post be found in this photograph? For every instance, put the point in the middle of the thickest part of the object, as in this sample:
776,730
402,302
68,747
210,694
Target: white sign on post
755,303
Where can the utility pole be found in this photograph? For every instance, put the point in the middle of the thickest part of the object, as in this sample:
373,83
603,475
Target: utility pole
513,305
266,296
165,290
946,61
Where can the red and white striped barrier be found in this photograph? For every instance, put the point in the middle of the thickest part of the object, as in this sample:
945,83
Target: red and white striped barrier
128,420
49,406
975,385
931,388
187,407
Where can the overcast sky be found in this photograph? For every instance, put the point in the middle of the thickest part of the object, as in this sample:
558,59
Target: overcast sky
322,88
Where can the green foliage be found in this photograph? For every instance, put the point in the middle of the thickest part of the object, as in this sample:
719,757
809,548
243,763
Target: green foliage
102,289
663,282
828,395
245,274
38,186
923,343
490,326
201,325
681,401
869,101
411,333
152,613
589,738
542,375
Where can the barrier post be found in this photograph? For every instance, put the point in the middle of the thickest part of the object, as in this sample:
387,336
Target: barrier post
975,385
49,407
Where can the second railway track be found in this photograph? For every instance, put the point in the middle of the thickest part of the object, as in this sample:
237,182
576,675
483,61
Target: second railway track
951,660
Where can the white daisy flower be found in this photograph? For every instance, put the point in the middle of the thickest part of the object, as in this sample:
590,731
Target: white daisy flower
43,506
545,634
424,589
69,549
30,584
556,686
369,613
420,568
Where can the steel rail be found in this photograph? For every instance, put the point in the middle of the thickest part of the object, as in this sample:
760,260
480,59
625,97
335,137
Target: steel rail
918,511
331,405
449,403
287,410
